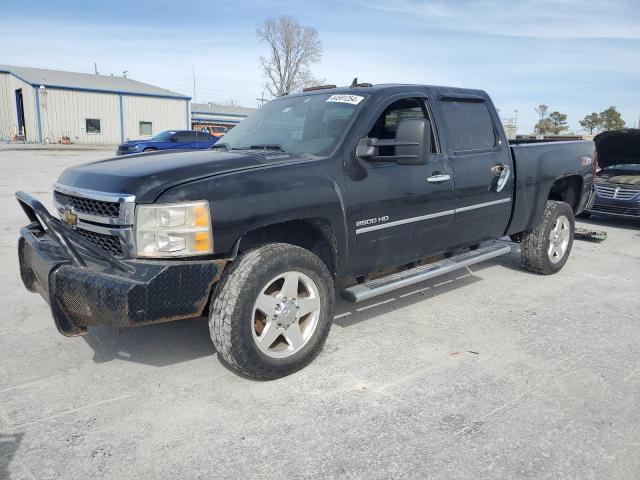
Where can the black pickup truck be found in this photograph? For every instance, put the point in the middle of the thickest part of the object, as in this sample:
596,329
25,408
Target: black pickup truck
335,188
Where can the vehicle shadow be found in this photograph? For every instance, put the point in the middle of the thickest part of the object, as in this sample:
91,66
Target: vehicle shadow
156,345
596,220
348,314
181,341
9,443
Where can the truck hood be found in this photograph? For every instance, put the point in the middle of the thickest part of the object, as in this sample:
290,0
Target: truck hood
618,147
147,176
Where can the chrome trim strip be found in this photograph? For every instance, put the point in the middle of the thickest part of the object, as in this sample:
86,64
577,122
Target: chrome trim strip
481,205
125,235
402,222
430,216
126,201
94,194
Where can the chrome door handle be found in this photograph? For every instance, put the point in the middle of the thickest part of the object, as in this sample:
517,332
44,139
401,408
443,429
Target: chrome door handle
438,178
504,177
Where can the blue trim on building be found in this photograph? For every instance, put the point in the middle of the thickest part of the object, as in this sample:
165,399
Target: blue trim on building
121,118
215,113
218,120
38,122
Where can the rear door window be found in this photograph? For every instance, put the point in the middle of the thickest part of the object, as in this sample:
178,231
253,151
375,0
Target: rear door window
469,125
186,137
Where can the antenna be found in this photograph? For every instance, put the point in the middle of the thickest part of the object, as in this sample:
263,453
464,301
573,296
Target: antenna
195,101
354,84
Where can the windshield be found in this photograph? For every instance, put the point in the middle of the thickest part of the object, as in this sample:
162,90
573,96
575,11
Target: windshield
312,124
164,136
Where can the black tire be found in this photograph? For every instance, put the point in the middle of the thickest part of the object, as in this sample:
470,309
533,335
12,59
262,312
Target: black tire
231,320
535,243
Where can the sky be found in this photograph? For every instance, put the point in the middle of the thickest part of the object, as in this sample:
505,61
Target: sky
577,56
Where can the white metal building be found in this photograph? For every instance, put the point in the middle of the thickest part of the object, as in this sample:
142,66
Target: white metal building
220,115
51,105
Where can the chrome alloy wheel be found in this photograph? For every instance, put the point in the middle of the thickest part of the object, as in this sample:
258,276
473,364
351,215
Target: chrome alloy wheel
559,239
285,314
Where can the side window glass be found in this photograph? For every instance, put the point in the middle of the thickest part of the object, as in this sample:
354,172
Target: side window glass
469,125
387,123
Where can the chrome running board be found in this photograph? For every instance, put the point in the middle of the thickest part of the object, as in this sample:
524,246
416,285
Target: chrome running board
379,286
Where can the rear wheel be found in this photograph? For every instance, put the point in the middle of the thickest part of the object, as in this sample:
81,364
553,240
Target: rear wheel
546,248
272,311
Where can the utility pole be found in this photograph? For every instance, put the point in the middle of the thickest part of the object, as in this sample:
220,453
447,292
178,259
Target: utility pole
95,68
261,99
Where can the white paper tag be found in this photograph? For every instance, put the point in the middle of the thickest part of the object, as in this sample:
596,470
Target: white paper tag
352,99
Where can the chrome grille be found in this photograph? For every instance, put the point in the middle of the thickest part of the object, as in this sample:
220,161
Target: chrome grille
616,209
619,193
109,243
89,205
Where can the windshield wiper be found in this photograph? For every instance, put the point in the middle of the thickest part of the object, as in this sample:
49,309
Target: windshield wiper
220,144
263,146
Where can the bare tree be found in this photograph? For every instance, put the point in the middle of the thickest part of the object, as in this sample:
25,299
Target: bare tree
293,48
542,110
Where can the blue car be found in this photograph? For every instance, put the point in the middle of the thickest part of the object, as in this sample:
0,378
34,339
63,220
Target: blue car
169,140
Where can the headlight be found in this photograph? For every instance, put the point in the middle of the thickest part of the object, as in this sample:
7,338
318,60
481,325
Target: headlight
173,230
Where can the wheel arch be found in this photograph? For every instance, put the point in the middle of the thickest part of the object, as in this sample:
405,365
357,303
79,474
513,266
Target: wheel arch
567,189
314,234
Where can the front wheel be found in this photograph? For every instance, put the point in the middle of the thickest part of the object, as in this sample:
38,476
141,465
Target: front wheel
272,311
546,248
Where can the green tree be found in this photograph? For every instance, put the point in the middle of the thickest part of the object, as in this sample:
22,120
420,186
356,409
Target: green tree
611,119
544,127
591,122
558,122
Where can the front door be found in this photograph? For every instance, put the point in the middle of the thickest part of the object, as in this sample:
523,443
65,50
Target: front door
483,171
20,110
396,215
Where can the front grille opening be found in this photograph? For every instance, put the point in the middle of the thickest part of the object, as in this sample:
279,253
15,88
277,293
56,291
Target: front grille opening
109,243
87,205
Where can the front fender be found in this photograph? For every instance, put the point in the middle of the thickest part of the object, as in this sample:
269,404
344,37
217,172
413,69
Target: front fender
247,200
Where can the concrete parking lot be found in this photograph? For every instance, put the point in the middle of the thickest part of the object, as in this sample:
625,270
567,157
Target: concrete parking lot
493,372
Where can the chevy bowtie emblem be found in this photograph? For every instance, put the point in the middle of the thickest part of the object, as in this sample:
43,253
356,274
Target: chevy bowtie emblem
70,217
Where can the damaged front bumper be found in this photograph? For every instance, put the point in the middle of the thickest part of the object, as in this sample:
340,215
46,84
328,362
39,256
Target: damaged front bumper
85,286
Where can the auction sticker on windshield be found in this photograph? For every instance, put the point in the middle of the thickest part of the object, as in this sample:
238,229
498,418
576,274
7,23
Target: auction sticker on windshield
352,99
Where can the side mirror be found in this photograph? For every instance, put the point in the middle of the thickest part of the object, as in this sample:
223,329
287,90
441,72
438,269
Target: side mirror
367,148
412,144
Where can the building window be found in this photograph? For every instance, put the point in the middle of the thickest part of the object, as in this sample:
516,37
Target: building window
93,125
146,128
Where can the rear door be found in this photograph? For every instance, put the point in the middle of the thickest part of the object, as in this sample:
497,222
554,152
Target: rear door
482,168
203,140
396,215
